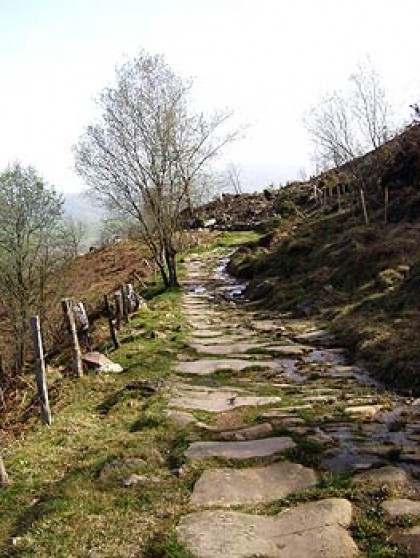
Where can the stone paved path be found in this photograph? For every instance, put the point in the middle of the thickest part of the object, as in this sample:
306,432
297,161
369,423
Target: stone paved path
265,396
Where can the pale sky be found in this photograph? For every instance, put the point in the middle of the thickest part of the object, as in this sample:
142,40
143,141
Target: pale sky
267,60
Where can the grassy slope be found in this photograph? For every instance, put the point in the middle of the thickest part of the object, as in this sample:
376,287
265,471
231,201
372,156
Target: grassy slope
67,497
361,281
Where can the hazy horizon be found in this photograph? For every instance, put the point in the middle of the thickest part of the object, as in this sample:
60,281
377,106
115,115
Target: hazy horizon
268,61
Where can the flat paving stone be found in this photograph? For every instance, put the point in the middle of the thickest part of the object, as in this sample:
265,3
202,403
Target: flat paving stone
248,433
267,326
219,404
215,341
255,485
314,336
223,349
210,366
388,475
209,333
285,411
314,530
289,350
240,450
401,506
364,411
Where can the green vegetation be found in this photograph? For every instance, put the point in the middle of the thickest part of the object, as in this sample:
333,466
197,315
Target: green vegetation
67,494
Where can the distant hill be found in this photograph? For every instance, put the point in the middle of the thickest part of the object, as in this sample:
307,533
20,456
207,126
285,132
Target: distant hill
81,208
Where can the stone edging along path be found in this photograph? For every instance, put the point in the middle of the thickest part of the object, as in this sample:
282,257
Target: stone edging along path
274,392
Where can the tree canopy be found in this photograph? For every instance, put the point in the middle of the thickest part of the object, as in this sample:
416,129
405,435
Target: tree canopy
147,155
30,214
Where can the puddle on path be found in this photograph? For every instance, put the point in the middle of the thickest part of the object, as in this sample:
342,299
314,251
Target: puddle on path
357,445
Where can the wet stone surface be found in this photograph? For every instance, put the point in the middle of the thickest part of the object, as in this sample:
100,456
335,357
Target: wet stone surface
262,391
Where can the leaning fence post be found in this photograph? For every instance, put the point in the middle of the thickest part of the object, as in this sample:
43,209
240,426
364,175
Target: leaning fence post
118,309
125,303
71,324
111,323
4,479
40,374
365,213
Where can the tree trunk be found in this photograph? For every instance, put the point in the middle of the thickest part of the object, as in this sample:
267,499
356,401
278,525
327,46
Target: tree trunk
163,274
170,257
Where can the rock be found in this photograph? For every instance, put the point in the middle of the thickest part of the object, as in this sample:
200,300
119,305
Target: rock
221,404
320,399
315,336
147,387
209,333
410,454
157,457
364,411
401,506
210,366
136,479
379,450
229,487
230,349
249,433
121,464
267,326
388,475
225,339
300,430
313,530
100,363
291,421
284,412
181,418
240,450
289,350
181,357
321,439
410,539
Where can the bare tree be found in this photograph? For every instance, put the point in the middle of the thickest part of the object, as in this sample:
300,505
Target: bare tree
347,124
29,216
331,126
370,106
73,234
233,178
146,156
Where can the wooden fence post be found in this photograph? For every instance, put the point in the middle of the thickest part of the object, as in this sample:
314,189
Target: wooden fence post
4,479
386,194
111,323
66,304
40,374
365,213
118,309
125,303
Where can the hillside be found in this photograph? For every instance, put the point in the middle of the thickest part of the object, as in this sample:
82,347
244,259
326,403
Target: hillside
234,212
356,269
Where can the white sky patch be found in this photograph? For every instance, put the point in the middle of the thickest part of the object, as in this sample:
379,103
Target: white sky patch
268,60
